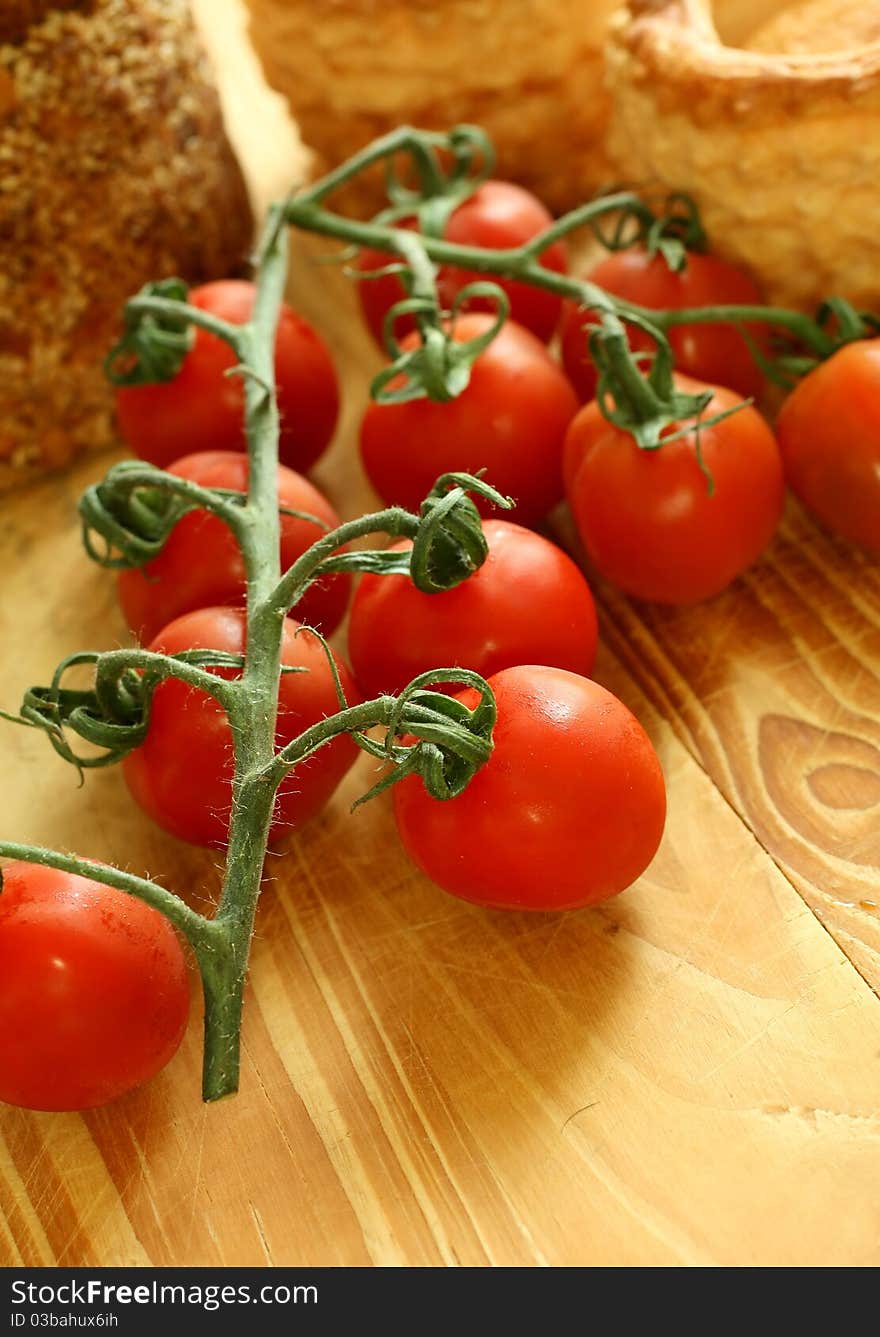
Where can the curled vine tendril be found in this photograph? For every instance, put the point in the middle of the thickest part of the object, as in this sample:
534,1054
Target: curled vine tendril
434,735
152,346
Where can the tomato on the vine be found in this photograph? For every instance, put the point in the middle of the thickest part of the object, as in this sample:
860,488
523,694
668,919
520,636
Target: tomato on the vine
181,775
527,604
715,353
568,810
650,520
510,420
499,215
94,995
201,563
202,408
829,434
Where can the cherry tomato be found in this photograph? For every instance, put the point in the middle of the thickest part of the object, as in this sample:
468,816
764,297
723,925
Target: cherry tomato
647,517
829,434
203,409
94,996
510,420
201,563
714,353
527,604
181,775
498,215
568,810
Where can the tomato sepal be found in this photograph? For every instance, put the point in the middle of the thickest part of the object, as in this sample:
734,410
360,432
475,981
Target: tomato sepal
157,335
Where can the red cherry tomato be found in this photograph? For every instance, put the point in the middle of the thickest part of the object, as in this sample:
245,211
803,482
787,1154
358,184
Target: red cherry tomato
94,996
714,353
510,420
181,775
527,604
647,517
499,215
201,563
829,434
568,810
203,409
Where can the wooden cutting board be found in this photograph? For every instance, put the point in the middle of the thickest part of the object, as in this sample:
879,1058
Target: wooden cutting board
689,1075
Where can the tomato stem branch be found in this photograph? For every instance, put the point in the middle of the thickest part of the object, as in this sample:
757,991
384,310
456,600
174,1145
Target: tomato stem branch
189,922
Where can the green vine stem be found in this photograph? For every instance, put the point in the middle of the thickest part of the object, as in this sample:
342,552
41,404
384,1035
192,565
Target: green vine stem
676,228
131,512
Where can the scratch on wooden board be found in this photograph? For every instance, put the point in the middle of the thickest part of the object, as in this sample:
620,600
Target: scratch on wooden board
261,1231
750,1043
583,1109
198,1174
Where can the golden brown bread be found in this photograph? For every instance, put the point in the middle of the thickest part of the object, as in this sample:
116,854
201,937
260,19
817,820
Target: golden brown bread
782,151
528,71
114,169
16,16
815,27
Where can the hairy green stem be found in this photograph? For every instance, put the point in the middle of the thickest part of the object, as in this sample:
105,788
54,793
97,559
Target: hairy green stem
395,522
522,263
189,922
163,306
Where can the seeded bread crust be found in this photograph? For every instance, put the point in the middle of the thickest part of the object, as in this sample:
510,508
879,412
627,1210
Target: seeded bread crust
529,71
114,169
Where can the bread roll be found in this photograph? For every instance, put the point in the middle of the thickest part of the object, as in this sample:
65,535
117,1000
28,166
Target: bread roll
529,71
781,150
114,169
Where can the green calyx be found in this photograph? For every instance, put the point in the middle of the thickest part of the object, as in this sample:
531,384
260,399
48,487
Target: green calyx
439,366
435,736
134,508
450,544
676,229
153,342
113,715
645,405
448,168
670,229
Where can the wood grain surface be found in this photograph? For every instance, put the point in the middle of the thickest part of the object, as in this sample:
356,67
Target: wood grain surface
689,1075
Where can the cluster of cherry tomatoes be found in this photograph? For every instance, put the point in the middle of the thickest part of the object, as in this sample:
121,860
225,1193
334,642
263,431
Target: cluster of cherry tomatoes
570,808
190,596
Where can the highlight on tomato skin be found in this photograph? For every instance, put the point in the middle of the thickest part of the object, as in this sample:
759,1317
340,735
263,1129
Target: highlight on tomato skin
203,409
568,811
649,520
94,991
201,564
716,353
528,603
499,215
829,434
181,775
510,421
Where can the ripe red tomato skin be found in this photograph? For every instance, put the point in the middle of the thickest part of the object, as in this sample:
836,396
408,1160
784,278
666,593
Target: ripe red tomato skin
94,994
568,811
499,215
181,774
527,603
201,564
829,435
510,420
714,353
202,409
646,518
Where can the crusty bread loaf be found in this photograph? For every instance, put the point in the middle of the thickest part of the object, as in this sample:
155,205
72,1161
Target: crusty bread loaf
529,71
114,169
781,150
